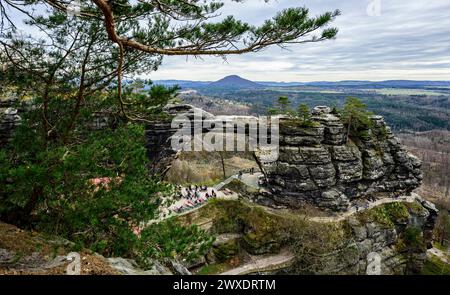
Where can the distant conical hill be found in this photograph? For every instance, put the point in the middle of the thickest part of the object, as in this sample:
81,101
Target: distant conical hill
234,81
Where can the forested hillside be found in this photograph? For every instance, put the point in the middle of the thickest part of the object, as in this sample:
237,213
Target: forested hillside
402,111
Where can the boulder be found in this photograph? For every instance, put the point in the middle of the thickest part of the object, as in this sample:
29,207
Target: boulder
321,110
9,120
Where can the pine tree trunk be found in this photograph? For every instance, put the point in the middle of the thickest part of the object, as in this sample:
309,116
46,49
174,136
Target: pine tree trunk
348,128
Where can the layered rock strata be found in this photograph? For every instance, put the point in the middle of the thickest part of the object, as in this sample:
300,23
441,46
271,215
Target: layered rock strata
9,120
318,165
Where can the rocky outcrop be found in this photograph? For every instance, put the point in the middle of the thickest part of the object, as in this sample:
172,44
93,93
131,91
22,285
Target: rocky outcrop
395,236
9,120
158,147
381,232
159,135
317,165
224,248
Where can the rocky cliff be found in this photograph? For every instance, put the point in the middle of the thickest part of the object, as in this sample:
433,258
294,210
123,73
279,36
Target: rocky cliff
9,120
397,234
255,239
318,165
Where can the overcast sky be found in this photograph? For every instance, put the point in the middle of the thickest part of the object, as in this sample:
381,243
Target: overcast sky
400,39
396,39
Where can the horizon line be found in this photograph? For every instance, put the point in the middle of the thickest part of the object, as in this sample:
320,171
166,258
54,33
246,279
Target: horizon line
317,81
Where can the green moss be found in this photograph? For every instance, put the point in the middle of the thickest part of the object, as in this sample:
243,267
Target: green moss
363,134
297,123
435,266
17,257
263,232
241,188
226,250
383,133
228,215
266,232
416,208
440,247
387,214
257,244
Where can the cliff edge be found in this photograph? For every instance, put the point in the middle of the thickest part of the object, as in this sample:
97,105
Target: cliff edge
319,165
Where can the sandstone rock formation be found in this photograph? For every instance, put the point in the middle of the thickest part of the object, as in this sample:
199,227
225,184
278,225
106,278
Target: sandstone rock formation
316,164
398,233
9,120
386,240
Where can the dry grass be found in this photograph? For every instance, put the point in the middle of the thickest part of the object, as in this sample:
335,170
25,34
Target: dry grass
206,167
32,252
433,148
25,242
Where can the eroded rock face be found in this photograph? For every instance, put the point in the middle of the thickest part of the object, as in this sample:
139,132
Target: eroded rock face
382,237
9,120
318,165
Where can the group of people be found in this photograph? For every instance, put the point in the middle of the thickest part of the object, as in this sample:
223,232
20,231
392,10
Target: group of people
195,196
365,206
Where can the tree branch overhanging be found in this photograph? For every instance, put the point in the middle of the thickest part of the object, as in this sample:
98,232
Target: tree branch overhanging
208,48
